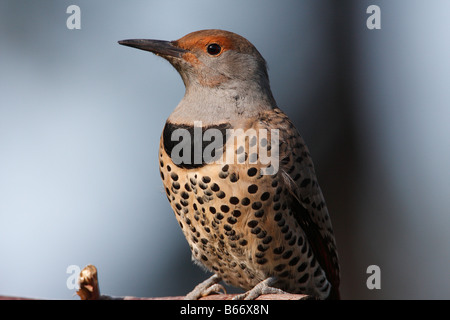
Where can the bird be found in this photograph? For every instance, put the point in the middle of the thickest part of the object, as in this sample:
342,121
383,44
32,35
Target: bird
239,176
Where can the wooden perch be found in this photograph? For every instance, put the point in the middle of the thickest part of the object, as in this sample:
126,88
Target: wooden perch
15,298
89,290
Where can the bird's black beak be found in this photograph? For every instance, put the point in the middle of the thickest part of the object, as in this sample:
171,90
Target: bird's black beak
158,47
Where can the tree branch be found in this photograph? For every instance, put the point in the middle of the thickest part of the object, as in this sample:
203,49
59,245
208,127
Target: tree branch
89,290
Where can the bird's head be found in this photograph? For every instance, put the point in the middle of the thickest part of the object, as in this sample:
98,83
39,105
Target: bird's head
210,58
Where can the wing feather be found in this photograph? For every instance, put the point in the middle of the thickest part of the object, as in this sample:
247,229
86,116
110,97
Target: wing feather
308,204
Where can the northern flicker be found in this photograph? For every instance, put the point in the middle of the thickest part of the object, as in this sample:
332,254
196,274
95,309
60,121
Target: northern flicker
259,225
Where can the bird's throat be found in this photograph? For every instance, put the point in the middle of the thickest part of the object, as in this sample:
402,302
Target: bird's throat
214,105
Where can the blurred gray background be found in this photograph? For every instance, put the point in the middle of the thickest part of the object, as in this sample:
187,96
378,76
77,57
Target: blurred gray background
81,116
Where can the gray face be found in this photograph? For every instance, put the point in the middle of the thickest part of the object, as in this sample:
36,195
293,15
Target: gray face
220,69
235,65
229,68
209,57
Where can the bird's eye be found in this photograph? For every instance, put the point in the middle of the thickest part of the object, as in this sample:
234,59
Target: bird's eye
214,49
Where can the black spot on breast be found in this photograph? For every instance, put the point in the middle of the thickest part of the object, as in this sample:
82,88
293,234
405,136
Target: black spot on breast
236,213
252,223
278,250
200,200
231,220
234,177
176,185
253,188
262,248
170,143
185,195
223,175
261,261
259,213
261,235
219,216
280,267
256,205
259,254
221,194
252,171
265,196
256,230
184,203
267,240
